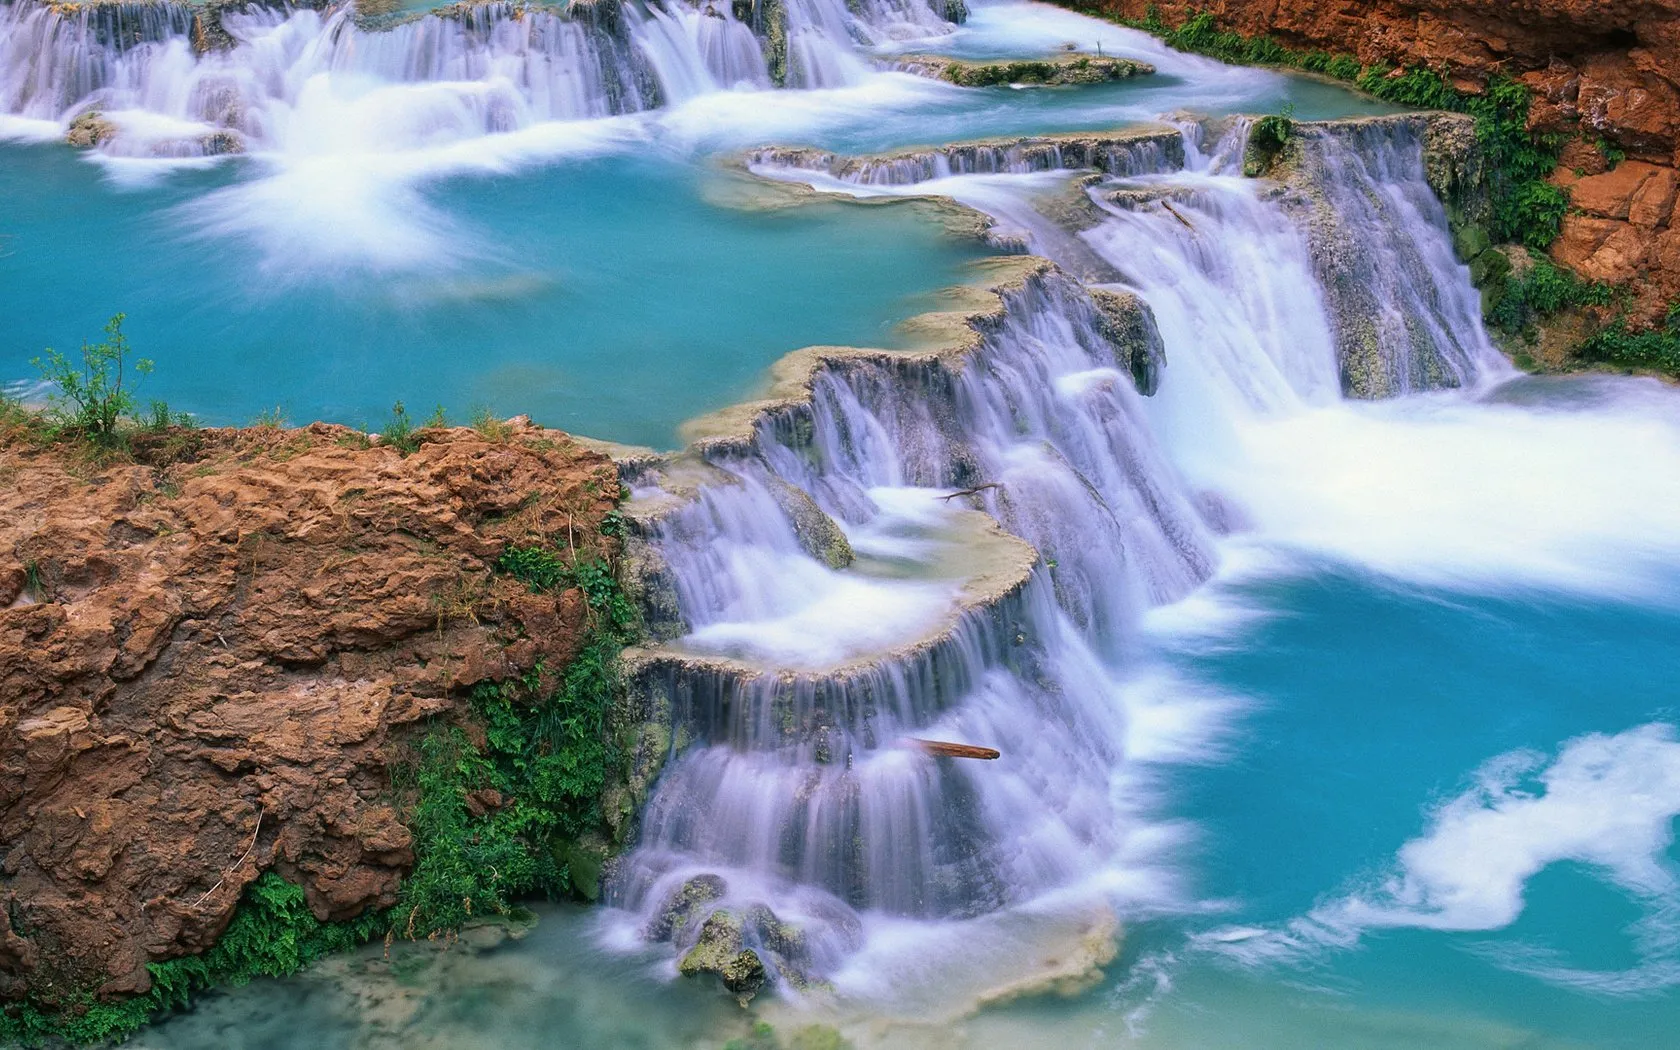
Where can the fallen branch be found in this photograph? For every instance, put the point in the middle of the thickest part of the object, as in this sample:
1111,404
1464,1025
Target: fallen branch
945,749
238,864
1178,215
970,492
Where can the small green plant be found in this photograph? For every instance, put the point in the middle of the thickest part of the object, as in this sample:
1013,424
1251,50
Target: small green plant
160,417
438,419
400,432
1613,154
33,585
489,426
270,419
93,396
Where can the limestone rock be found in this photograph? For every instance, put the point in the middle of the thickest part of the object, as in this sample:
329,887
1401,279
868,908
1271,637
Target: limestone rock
1130,328
90,129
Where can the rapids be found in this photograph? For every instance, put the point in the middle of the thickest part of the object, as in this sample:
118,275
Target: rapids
1330,659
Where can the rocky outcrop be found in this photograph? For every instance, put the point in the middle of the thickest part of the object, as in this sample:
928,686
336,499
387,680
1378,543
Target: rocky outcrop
1130,327
208,658
1064,69
1604,73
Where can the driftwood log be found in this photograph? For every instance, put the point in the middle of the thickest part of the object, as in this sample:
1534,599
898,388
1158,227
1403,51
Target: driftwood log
945,749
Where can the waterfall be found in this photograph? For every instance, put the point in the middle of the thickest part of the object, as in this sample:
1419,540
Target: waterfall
1405,321
819,629
172,79
805,673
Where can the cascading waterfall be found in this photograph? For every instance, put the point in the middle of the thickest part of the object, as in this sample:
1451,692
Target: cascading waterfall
1377,232
170,79
798,803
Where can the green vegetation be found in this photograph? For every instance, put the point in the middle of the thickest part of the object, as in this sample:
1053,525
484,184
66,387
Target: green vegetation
1081,70
272,933
498,805
1656,348
400,431
1538,292
1527,209
94,397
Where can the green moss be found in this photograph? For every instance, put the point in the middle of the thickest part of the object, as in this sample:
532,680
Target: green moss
1527,209
1265,141
272,933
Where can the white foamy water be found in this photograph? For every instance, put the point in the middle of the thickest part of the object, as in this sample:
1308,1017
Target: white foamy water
1604,801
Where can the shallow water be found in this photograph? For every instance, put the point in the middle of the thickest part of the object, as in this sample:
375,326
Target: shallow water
609,298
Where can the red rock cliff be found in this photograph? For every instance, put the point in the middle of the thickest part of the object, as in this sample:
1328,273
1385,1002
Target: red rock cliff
207,662
1599,69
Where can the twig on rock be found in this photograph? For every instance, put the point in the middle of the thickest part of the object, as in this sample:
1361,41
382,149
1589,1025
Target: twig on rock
238,864
970,492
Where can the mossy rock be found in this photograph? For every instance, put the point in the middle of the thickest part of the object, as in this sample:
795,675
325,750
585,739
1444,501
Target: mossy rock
1266,142
682,906
719,951
90,129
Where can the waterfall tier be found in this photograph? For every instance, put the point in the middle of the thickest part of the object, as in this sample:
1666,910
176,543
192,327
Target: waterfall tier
179,79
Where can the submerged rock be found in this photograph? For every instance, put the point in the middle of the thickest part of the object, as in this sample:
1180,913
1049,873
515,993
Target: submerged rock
720,952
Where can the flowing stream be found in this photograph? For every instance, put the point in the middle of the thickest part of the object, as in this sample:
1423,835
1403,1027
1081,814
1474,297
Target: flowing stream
1331,660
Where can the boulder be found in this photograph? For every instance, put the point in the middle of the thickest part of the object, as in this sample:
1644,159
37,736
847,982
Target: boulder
720,952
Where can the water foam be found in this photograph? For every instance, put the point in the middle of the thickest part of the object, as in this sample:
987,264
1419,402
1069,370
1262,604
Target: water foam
1606,801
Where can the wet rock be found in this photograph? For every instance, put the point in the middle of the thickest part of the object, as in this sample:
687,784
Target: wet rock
90,129
819,534
684,906
1061,70
1130,328
720,952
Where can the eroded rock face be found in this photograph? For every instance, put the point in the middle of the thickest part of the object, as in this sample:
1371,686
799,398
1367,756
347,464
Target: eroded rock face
207,665
1598,69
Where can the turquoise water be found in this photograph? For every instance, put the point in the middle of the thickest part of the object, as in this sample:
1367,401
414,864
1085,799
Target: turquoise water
609,298
1364,704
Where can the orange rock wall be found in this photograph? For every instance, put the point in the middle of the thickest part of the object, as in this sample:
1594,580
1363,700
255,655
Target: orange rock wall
1599,69
209,658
